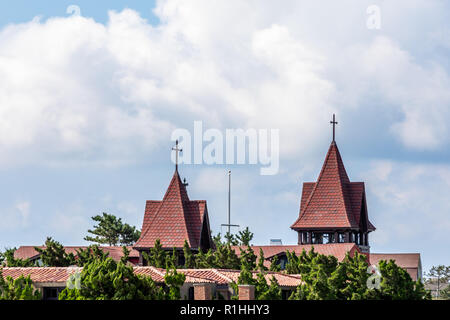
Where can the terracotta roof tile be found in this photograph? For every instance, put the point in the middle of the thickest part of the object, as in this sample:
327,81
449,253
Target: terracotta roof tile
333,201
338,250
218,276
409,261
174,219
115,252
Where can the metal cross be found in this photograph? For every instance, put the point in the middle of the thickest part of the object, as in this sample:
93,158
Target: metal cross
334,123
177,150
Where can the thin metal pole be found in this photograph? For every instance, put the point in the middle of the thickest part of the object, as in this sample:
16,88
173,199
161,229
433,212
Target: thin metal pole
229,202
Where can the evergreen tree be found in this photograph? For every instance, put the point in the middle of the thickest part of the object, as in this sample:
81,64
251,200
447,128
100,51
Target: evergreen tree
349,280
261,260
231,239
54,254
274,265
204,260
10,261
244,237
174,281
20,288
396,284
112,231
110,280
323,278
90,254
439,275
172,260
224,257
445,294
248,258
189,258
263,291
156,256
126,255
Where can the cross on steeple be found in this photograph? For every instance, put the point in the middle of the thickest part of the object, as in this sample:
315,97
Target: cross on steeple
334,123
177,150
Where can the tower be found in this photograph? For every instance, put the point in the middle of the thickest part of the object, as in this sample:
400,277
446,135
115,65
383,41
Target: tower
333,209
174,220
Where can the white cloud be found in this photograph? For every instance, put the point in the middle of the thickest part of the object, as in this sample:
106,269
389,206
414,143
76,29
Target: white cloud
411,202
74,90
16,217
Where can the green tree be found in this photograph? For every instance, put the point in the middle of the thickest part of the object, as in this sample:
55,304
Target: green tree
261,267
439,275
156,257
204,260
445,293
112,231
126,255
174,281
396,284
274,265
110,280
54,254
231,239
244,237
248,258
8,260
225,257
323,278
263,291
172,259
20,288
217,240
90,254
189,258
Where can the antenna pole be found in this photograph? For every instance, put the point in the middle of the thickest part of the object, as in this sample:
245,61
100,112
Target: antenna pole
229,225
229,201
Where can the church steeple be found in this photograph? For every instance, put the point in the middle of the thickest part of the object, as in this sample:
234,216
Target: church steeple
175,219
333,209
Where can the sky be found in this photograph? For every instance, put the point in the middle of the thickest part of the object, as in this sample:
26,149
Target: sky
89,102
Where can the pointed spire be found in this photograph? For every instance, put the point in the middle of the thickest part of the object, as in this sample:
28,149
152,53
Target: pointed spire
329,201
176,190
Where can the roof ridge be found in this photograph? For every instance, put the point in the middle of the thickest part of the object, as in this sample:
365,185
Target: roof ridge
217,272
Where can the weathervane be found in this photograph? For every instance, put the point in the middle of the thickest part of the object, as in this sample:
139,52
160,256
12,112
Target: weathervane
177,150
334,123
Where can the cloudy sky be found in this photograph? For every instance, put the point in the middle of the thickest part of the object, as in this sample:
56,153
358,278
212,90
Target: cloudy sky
88,104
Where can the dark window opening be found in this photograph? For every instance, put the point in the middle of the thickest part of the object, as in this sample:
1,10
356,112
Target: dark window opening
52,293
285,294
316,238
191,293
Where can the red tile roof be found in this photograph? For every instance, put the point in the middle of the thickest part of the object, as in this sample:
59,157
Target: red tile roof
409,261
174,219
218,276
333,201
41,274
28,252
338,250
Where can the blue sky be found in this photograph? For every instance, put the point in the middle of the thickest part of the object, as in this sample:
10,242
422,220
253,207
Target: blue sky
88,105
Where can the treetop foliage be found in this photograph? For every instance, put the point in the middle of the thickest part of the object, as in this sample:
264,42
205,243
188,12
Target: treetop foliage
112,231
17,289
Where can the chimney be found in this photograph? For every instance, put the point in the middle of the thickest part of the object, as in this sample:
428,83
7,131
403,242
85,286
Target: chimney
202,291
246,292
